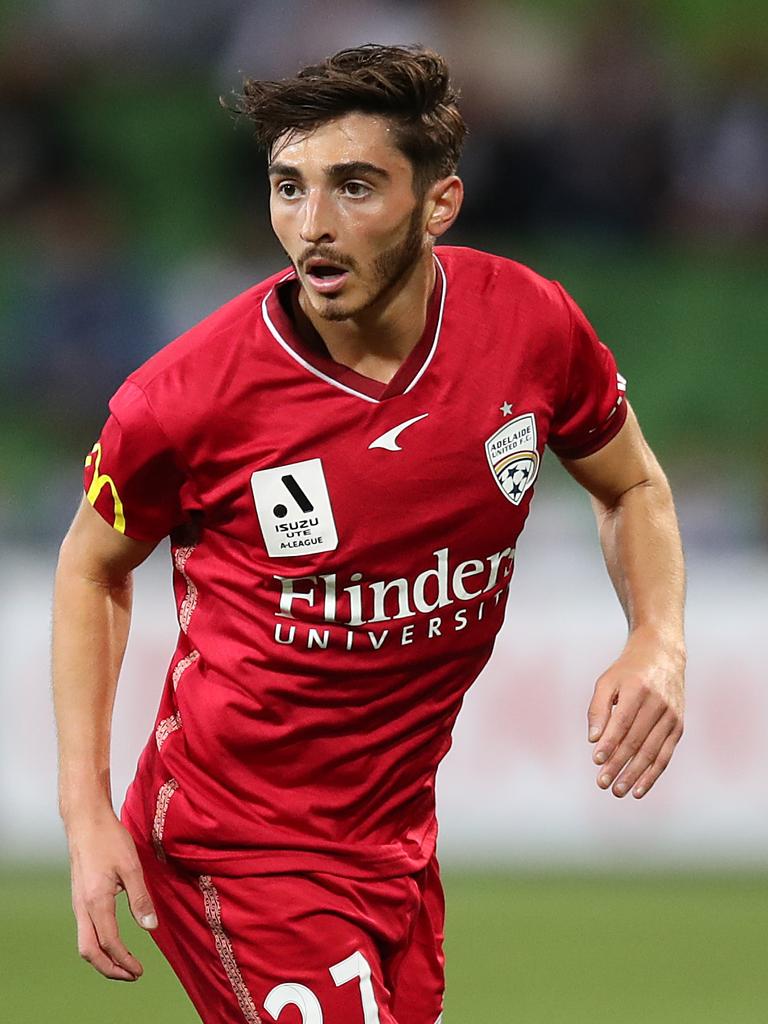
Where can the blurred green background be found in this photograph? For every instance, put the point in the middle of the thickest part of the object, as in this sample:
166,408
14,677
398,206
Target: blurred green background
528,949
619,147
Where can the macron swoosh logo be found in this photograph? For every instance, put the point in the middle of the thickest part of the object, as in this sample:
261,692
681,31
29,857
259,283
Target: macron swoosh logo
388,440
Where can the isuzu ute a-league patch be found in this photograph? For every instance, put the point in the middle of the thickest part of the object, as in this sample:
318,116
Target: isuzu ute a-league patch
294,509
513,457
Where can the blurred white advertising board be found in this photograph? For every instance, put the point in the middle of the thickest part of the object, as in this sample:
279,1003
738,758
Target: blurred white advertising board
518,785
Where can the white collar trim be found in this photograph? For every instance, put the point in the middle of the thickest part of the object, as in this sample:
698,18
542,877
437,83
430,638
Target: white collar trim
336,383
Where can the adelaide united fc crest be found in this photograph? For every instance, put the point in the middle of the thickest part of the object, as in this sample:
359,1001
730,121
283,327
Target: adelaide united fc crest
513,456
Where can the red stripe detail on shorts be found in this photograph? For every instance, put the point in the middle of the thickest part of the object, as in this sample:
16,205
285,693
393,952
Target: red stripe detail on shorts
224,947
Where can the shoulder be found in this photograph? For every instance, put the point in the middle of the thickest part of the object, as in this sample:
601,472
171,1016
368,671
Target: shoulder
218,336
503,286
484,275
192,374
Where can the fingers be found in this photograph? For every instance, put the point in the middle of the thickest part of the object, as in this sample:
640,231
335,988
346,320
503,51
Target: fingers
637,751
628,704
630,742
651,774
642,759
90,949
102,913
99,939
104,862
599,711
636,715
139,899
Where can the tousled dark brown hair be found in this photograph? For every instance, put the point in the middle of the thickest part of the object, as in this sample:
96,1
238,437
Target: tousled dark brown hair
408,85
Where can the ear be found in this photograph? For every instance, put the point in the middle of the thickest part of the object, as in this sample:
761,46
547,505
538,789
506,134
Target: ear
443,202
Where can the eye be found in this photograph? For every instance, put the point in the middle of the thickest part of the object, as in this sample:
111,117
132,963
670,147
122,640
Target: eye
355,189
288,190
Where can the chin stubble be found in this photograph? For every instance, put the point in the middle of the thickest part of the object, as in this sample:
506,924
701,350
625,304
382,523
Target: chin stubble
390,268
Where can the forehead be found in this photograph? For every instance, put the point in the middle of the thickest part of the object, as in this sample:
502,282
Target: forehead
352,138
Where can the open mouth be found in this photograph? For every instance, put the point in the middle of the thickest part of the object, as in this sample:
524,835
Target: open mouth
324,276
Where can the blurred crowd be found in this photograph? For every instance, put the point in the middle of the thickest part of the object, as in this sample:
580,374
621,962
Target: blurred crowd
132,204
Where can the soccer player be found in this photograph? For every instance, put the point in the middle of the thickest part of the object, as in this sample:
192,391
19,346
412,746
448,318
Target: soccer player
343,458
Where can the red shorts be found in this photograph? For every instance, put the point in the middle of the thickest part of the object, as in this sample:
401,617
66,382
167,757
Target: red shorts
302,948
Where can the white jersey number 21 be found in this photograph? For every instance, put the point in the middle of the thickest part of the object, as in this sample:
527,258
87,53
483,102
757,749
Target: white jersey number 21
291,993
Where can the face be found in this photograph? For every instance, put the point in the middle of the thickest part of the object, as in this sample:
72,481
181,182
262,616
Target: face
343,208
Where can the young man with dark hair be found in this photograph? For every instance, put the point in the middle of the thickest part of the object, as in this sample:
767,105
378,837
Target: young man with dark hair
343,458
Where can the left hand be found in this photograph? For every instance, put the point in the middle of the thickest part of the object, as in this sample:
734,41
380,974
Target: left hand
636,716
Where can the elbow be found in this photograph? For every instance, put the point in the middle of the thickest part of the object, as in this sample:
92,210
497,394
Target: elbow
652,490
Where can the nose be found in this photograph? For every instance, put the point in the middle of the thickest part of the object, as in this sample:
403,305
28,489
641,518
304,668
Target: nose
318,219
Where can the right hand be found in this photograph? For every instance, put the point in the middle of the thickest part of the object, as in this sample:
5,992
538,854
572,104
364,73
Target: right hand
104,862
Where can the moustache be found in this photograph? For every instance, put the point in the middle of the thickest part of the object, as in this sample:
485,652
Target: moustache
337,259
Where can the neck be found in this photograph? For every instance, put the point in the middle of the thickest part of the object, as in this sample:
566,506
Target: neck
377,340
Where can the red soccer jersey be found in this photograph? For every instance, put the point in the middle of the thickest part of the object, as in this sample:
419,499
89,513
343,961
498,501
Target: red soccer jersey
342,551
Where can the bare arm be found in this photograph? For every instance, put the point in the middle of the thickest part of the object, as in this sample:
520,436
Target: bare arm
92,610
636,714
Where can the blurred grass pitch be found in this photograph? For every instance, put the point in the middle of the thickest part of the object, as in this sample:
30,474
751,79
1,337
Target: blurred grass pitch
522,949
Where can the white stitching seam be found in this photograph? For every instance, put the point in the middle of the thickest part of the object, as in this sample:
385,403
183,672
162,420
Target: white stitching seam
337,384
164,795
225,951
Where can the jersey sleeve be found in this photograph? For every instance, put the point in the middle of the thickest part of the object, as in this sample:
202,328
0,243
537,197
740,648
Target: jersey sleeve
131,476
593,406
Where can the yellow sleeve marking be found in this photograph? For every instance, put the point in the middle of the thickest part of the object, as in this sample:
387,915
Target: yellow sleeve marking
99,482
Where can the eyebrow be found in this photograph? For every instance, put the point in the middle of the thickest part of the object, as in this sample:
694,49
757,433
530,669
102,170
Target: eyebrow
336,171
